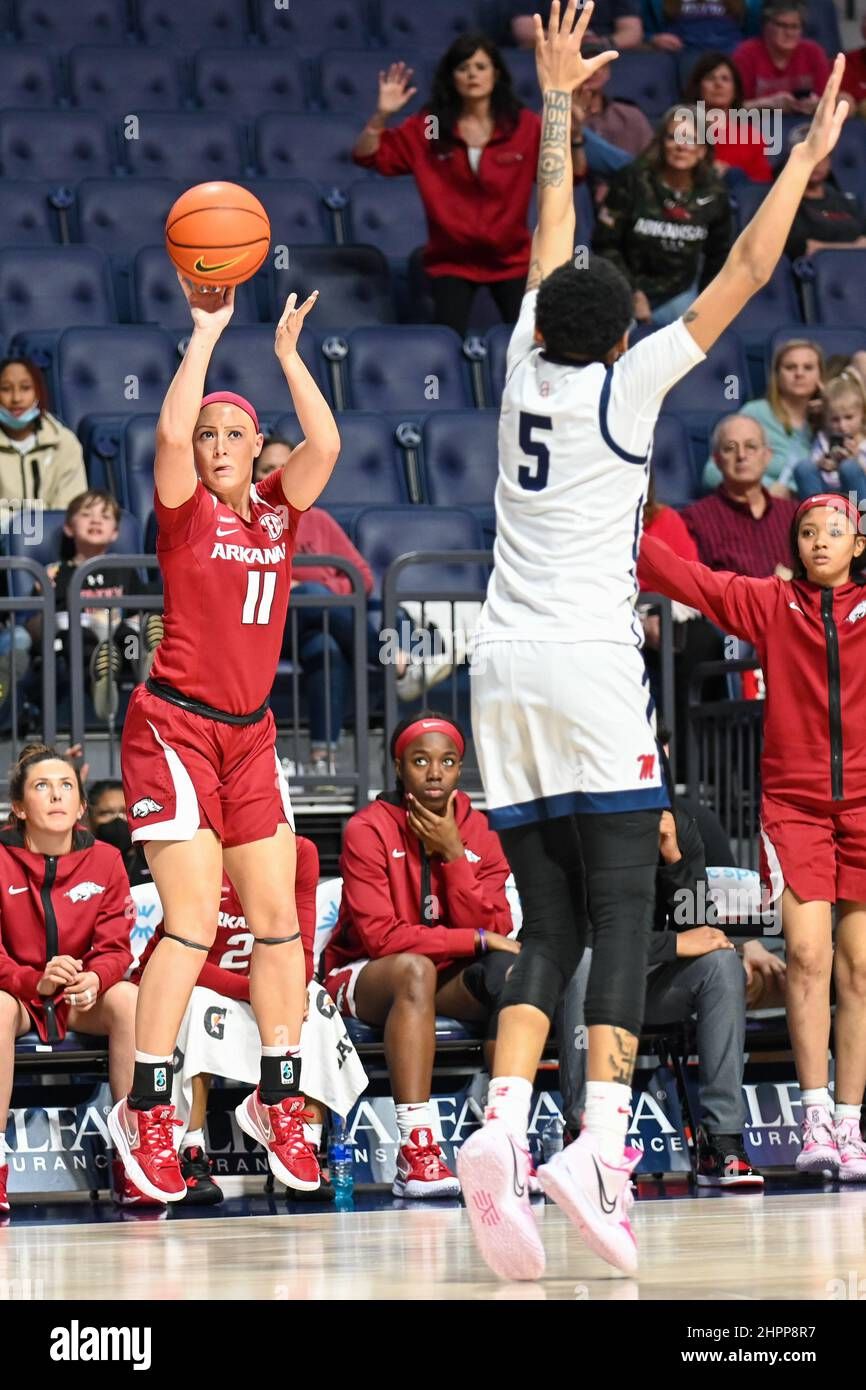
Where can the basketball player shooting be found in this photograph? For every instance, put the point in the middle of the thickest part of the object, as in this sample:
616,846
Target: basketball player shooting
201,776
561,712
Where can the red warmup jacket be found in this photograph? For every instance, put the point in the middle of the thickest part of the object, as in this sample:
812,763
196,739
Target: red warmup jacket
320,534
227,968
75,904
476,222
811,642
384,870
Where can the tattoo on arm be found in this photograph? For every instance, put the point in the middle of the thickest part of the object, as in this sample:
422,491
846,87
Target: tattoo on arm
551,155
689,316
534,276
622,1059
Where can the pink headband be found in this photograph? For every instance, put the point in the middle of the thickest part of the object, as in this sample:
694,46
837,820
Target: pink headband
830,499
231,398
428,726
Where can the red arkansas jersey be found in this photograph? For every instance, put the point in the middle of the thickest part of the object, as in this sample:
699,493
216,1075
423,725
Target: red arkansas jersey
226,585
227,968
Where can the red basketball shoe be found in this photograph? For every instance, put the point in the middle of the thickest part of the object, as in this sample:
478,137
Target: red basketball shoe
280,1130
421,1169
124,1190
144,1144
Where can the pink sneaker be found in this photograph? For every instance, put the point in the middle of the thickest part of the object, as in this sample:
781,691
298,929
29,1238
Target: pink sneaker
494,1174
819,1152
851,1161
596,1196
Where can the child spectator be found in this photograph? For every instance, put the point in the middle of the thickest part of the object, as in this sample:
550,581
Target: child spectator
838,459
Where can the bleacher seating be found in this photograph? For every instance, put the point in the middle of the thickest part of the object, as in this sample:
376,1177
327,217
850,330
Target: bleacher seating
120,81
193,24
460,462
244,361
837,276
371,470
26,216
28,76
50,25
348,80
193,148
388,214
112,371
353,281
327,22
403,368
318,148
673,466
62,145
43,287
433,26
383,533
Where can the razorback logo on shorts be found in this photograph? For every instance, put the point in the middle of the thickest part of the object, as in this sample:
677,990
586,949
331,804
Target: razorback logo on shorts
82,891
146,806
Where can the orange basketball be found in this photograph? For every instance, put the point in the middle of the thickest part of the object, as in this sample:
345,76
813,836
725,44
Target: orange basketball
217,233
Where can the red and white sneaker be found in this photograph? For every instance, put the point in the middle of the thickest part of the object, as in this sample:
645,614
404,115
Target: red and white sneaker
596,1196
819,1152
494,1173
852,1151
421,1169
125,1192
144,1143
4,1178
280,1130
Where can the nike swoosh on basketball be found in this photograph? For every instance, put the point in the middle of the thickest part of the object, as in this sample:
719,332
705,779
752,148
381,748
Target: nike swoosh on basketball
607,1206
19,890
204,269
230,532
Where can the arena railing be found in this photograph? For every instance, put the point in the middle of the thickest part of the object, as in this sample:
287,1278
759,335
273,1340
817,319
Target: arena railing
724,751
397,592
356,780
42,603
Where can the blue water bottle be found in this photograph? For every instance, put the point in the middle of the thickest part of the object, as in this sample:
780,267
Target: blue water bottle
341,1164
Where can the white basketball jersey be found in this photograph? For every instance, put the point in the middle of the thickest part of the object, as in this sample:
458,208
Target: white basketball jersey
574,445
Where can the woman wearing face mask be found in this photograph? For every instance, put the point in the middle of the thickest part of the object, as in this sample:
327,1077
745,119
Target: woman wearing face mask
106,812
39,457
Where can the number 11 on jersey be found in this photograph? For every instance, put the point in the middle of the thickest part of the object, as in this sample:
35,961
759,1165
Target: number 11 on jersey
258,610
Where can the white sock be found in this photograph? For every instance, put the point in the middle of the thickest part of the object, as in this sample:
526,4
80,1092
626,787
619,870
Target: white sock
416,1114
149,1057
193,1139
606,1115
282,1051
846,1112
820,1096
508,1099
313,1135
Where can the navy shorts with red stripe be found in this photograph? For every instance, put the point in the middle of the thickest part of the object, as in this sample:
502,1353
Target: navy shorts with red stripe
183,771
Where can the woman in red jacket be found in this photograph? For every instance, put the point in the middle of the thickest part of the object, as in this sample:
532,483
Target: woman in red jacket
810,635
64,929
473,152
423,928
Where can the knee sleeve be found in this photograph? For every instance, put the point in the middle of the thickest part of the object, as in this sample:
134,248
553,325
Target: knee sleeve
485,977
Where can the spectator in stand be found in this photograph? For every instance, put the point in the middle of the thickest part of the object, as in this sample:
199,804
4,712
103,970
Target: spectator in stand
854,80
328,658
615,24
90,530
781,69
40,459
64,940
666,221
619,123
715,81
827,218
789,413
740,526
838,462
473,151
697,24
423,929
106,815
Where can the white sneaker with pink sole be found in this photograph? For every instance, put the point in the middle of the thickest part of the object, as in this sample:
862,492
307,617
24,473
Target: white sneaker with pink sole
494,1174
596,1196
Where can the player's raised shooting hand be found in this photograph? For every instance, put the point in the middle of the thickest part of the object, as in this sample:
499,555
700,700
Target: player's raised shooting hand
558,59
828,119
211,306
291,323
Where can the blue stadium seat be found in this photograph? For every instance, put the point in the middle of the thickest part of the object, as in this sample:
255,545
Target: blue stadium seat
673,465
27,77
648,79
192,24
497,339
432,26
822,25
192,148
715,386
349,79
113,371
61,26
26,216
307,147
138,448
584,211
63,145
354,285
370,471
849,160
297,215
119,216
461,461
407,369
749,197
383,533
311,25
158,298
47,550
838,287
831,341
47,287
776,303
248,81
388,213
524,78
244,361
121,81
